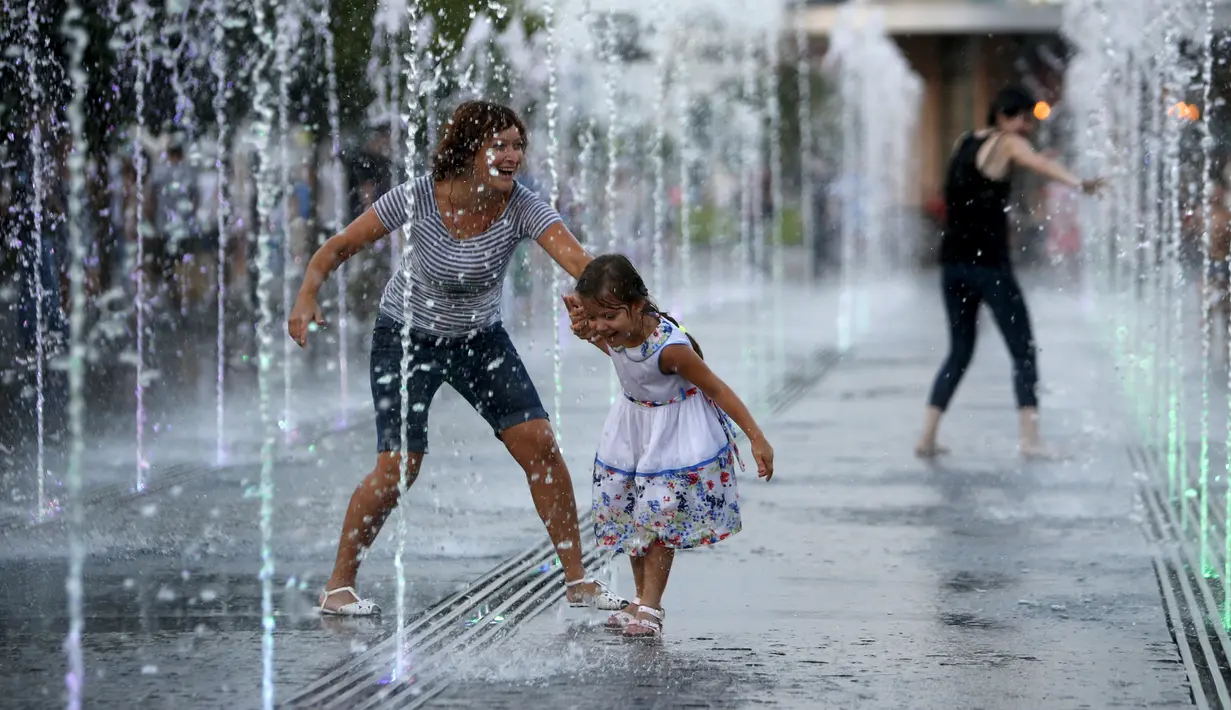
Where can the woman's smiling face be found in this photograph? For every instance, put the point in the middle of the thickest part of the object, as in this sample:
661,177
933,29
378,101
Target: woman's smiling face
498,161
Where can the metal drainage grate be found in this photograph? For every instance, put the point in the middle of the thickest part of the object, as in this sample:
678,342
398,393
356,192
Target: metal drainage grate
488,611
793,385
1190,600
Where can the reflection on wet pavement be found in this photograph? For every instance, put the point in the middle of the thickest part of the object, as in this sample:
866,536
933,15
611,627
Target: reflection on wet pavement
863,578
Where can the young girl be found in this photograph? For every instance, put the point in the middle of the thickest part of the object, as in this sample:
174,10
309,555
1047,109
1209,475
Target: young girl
664,476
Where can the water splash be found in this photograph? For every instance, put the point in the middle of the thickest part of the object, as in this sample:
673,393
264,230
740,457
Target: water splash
750,159
218,64
553,189
36,212
687,159
287,22
339,204
141,67
803,69
411,119
78,39
658,149
1207,198
607,49
1171,279
773,107
267,198
866,67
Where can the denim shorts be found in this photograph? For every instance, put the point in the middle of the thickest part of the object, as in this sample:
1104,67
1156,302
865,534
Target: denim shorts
482,367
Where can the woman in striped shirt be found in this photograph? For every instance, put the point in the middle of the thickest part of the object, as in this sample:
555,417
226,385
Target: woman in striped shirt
463,224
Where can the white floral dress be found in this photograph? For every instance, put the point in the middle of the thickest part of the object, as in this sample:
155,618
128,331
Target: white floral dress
665,469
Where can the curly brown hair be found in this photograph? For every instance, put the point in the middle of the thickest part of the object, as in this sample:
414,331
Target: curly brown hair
473,124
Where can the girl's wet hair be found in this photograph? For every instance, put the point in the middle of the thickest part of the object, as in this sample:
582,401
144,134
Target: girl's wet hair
612,281
473,124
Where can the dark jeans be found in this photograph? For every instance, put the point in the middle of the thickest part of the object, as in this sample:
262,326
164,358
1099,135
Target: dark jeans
483,367
965,287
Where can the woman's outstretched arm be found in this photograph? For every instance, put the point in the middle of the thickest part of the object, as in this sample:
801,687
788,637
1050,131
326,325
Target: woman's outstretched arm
366,230
359,234
1022,153
564,249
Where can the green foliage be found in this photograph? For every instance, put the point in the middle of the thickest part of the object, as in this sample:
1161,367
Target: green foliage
711,225
792,226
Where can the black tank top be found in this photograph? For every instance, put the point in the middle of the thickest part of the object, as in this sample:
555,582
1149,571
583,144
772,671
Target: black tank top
977,223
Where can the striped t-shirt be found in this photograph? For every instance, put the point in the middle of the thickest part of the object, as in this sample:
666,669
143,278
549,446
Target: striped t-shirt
455,284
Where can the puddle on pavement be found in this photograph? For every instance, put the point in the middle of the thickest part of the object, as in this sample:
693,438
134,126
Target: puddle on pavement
966,620
965,581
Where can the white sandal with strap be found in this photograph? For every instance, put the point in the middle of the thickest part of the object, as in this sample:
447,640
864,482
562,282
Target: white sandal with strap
640,628
623,617
603,601
359,607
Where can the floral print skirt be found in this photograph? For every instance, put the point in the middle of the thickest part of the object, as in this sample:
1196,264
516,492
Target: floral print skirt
680,508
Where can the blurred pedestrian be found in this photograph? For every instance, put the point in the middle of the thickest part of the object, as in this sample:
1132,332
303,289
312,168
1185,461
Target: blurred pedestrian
974,256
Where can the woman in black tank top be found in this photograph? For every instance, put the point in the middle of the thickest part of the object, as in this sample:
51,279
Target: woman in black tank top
974,258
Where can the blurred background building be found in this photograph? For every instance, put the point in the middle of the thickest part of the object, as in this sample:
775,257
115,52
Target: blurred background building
963,51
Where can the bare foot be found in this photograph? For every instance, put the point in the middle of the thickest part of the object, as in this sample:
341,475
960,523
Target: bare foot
930,450
1038,451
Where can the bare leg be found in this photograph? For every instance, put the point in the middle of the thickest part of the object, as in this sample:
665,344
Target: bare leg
1031,443
533,446
657,564
638,565
370,505
927,446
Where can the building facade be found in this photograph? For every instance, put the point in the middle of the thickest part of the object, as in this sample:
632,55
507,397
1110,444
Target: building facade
963,52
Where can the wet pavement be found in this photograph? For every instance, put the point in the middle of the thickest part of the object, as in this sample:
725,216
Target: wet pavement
866,579
862,578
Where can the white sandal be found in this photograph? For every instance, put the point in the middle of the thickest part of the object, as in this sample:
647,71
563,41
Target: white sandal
359,607
623,617
640,628
603,601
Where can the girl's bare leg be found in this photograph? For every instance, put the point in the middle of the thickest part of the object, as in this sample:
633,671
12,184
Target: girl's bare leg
638,565
657,568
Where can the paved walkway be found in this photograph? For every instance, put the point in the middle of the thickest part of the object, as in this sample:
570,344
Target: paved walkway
863,577
867,579
171,578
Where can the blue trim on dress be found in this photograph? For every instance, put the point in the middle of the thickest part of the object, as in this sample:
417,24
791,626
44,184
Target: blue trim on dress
724,451
655,342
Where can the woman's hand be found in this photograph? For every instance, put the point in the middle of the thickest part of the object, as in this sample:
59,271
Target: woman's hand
579,320
303,315
763,454
1092,187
